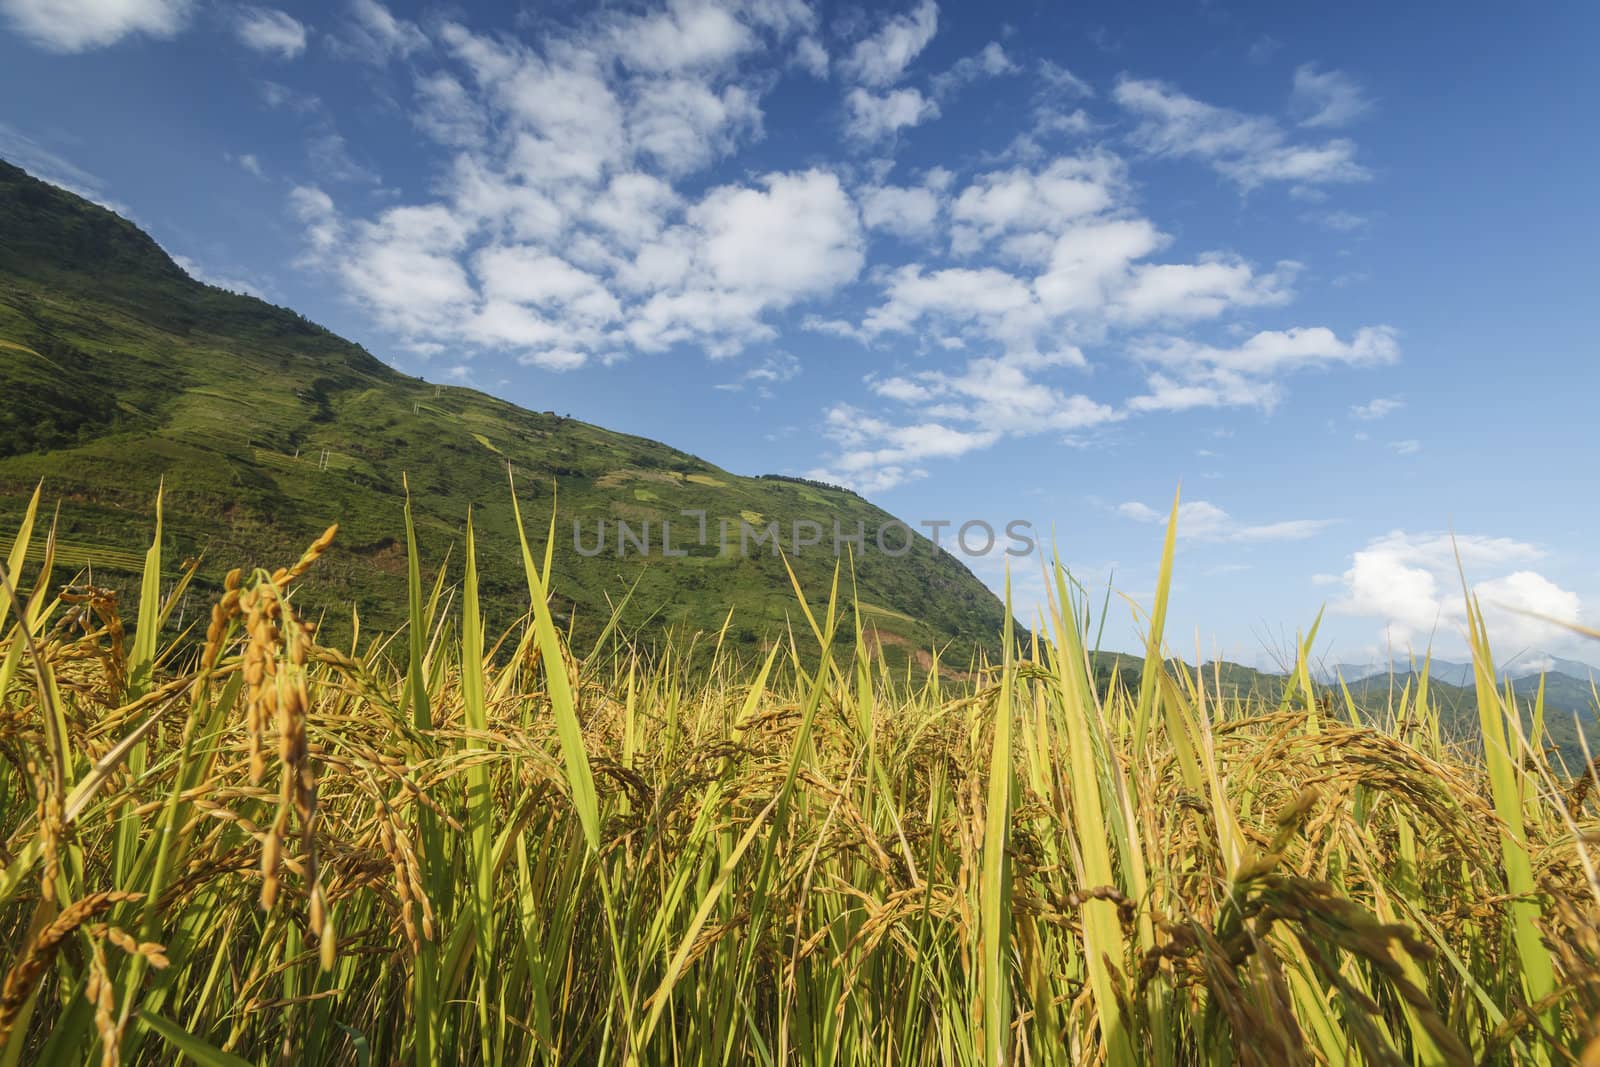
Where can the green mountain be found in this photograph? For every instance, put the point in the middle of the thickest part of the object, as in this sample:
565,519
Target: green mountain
119,372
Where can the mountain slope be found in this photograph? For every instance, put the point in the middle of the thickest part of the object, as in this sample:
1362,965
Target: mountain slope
120,371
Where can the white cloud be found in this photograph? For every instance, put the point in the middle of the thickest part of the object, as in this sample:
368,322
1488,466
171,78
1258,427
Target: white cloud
1377,408
523,274
998,395
709,278
872,117
270,32
281,97
327,151
1510,601
1410,583
905,212
1249,150
1193,375
1201,520
329,154
247,162
771,371
315,211
583,213
682,124
1081,272
447,112
1406,448
404,266
878,455
808,215
1036,203
949,414
221,281
882,58
556,232
990,62
687,35
811,56
1080,257
374,35
81,25
1326,98
1089,261
1063,81
991,303
1198,290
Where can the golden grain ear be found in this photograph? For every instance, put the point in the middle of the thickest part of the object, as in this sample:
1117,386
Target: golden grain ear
437,848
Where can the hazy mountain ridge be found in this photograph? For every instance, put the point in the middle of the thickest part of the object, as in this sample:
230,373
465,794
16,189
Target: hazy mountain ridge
1524,665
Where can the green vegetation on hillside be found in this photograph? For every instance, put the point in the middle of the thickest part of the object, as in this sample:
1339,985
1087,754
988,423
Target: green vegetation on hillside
119,372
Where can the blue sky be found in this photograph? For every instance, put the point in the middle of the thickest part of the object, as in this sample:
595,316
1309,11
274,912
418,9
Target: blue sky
1325,267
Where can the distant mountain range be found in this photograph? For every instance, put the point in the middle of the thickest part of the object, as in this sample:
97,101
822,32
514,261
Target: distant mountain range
1525,665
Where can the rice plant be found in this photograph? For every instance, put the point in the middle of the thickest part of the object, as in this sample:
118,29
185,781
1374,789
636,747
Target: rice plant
459,845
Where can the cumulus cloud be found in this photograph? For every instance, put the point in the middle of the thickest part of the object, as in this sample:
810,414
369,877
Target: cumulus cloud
270,32
806,214
558,233
911,212
1409,582
1081,260
687,35
872,117
314,209
1201,520
82,25
1021,208
434,273
881,59
990,304
1249,150
587,207
1048,257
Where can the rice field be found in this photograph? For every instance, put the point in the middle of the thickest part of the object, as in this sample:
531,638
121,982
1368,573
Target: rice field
448,845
